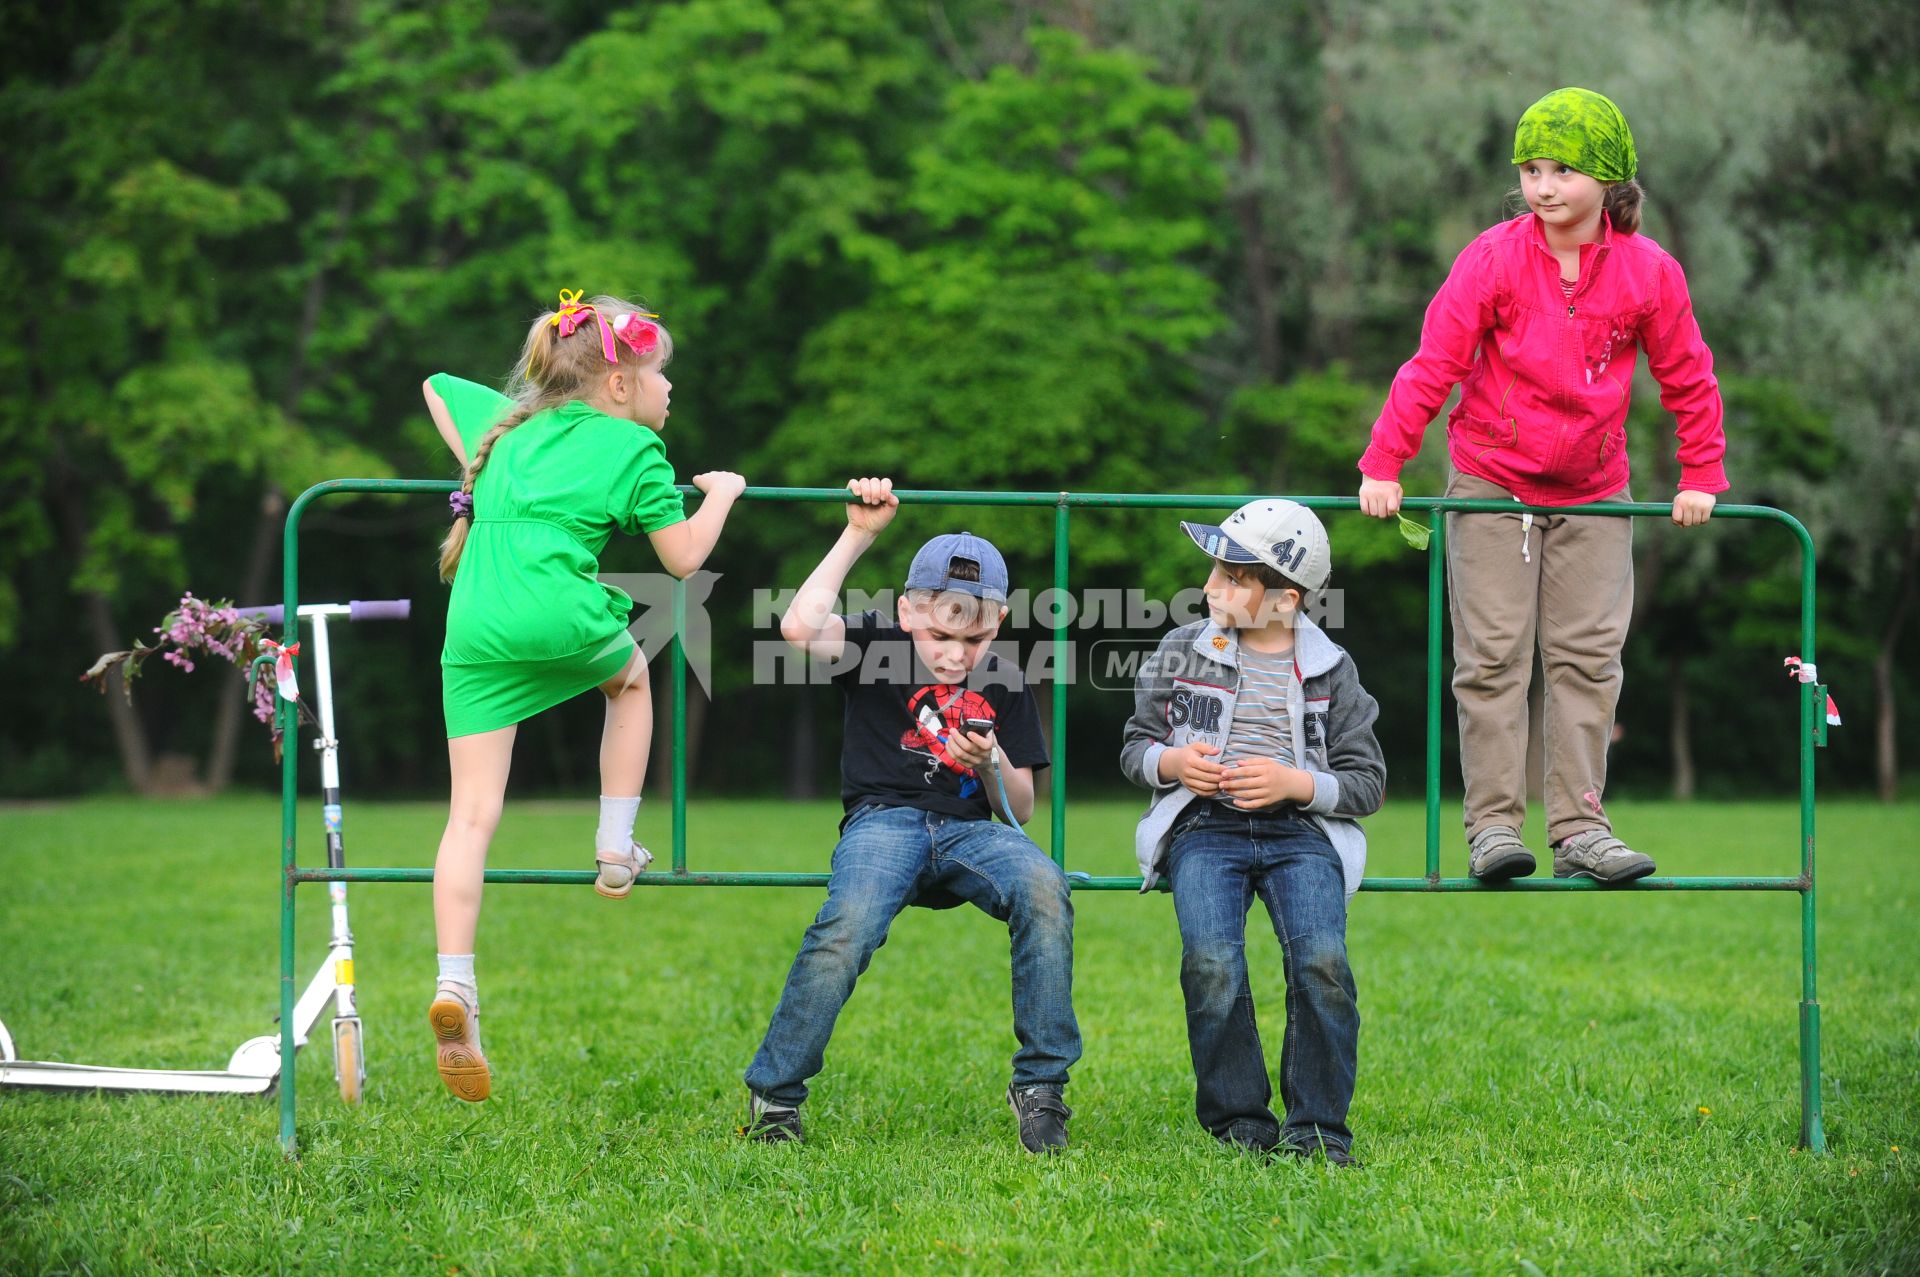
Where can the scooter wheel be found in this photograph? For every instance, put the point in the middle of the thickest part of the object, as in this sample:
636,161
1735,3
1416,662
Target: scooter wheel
349,1059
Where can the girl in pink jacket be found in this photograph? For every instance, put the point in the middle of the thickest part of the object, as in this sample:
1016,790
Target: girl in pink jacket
1540,323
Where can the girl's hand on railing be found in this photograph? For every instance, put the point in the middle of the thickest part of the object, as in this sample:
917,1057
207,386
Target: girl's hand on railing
1691,509
1379,498
723,483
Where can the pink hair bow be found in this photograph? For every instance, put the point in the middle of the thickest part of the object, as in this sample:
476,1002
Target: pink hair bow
639,332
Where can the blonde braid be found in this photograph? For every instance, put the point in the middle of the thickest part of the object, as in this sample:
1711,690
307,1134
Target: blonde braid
457,535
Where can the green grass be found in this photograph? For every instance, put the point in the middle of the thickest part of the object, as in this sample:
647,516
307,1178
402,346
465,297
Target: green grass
1535,1071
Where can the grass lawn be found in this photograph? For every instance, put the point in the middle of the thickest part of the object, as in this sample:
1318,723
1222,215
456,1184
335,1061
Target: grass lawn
1577,1084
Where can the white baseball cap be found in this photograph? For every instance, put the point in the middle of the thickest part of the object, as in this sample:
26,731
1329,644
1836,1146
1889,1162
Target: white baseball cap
1284,535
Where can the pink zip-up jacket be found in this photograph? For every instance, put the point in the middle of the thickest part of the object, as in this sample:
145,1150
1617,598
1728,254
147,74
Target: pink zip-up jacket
1543,409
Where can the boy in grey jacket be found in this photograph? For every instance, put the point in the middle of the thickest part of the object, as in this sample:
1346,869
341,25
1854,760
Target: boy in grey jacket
1255,739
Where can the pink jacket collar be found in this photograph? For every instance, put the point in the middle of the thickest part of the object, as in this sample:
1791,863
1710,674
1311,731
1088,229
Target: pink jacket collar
1538,230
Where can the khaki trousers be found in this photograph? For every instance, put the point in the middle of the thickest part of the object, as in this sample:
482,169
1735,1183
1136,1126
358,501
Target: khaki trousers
1565,584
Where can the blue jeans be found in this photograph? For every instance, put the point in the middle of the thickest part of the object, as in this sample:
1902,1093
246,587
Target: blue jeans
1220,859
887,857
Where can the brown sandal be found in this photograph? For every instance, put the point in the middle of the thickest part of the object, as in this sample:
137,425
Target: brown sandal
456,1032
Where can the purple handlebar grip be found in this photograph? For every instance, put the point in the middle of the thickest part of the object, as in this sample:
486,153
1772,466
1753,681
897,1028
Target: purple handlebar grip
271,613
379,609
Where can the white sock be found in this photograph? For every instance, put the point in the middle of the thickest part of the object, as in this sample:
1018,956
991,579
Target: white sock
457,968
616,823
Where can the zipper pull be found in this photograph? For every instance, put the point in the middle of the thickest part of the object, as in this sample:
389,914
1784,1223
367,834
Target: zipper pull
1569,310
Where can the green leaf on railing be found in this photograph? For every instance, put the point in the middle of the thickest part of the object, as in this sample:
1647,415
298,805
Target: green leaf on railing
1416,534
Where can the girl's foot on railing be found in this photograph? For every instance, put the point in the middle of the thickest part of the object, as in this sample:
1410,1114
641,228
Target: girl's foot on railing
618,869
1496,854
1597,854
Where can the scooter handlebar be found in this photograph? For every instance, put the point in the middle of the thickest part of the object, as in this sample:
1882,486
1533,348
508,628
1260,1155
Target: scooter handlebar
357,610
379,609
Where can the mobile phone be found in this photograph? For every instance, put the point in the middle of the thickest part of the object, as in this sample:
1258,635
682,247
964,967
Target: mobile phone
979,726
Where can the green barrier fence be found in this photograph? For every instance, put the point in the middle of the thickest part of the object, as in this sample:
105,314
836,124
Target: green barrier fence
1812,733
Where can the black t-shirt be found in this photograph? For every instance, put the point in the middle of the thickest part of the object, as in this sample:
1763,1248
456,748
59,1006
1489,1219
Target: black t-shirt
891,756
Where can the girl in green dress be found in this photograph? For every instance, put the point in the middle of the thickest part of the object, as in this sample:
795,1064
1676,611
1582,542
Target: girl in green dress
550,470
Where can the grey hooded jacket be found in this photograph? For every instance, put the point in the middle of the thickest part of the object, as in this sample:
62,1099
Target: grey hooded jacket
1185,692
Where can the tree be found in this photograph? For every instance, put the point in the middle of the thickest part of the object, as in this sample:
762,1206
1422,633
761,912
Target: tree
135,389
1849,341
1028,328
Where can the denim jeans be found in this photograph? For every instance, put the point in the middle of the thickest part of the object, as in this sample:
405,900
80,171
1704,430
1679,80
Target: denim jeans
888,856
1220,859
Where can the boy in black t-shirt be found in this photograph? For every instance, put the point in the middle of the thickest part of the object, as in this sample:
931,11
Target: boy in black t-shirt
940,736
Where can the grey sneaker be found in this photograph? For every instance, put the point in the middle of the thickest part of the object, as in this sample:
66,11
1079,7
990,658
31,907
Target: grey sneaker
1597,854
1497,854
1043,1117
771,1123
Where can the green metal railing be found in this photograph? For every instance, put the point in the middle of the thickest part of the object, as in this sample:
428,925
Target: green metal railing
1812,732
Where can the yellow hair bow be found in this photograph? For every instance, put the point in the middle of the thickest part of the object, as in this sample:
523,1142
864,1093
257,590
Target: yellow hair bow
569,306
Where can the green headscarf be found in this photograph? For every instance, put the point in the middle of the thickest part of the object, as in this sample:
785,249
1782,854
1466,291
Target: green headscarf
1583,130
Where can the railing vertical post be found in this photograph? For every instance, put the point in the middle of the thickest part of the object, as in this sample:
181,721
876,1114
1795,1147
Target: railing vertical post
287,716
1436,620
1057,774
678,663
1813,1136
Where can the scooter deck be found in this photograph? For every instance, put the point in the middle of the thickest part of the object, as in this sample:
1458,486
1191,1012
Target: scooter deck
54,1076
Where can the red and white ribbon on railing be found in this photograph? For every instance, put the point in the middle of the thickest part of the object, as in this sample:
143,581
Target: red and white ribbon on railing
283,667
1808,672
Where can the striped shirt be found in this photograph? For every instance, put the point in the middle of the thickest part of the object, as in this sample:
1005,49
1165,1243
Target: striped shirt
1262,728
1567,287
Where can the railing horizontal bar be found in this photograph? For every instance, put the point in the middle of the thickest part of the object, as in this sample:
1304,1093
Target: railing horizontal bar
914,496
571,877
1583,884
1128,500
1080,882
1087,882
1183,500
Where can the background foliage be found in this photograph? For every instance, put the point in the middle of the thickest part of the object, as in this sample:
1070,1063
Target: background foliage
973,243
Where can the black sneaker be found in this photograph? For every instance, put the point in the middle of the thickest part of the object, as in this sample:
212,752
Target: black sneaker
1043,1117
1336,1156
1248,1137
771,1123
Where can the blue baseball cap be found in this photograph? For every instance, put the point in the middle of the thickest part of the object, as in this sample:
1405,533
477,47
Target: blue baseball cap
933,566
